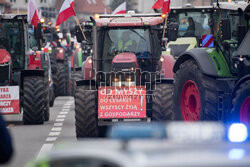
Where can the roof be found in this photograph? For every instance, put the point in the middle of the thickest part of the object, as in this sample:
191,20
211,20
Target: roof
129,20
87,6
233,5
12,16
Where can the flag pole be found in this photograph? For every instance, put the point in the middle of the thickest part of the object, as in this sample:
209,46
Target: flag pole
165,26
78,22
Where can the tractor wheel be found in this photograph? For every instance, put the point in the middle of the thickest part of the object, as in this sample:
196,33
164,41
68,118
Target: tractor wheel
194,94
66,75
241,103
47,100
85,113
61,89
77,76
163,103
34,100
54,70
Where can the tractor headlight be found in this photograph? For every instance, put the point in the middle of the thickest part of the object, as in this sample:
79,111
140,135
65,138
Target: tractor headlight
237,132
61,51
162,59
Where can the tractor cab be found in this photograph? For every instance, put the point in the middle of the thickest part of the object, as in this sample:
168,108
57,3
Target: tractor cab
194,22
14,43
125,44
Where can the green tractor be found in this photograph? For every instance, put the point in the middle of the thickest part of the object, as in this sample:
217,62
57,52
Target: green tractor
194,22
214,83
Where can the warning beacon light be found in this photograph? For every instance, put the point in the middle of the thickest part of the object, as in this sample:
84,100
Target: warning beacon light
237,132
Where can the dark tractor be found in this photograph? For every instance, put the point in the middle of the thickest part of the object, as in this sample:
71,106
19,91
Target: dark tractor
214,83
127,78
24,77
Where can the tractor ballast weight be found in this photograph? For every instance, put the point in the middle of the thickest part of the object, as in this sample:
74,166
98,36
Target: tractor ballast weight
217,76
134,65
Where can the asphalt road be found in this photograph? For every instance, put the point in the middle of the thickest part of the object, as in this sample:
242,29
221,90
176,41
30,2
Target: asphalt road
31,141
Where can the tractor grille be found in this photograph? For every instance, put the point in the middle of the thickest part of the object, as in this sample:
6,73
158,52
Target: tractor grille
120,67
4,73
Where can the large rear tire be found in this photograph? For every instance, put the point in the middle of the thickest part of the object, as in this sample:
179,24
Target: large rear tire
54,70
34,100
47,100
61,89
85,113
194,94
162,105
77,75
241,104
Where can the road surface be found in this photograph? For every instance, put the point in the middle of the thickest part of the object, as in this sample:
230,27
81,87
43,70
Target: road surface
32,140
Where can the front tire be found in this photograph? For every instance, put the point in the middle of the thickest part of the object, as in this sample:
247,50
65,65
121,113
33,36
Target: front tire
194,94
85,112
163,103
34,100
241,104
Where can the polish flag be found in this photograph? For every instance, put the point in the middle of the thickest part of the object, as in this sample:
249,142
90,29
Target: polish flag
158,4
121,9
66,11
33,17
166,6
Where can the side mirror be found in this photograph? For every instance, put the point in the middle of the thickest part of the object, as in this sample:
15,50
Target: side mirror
242,31
38,31
172,31
225,30
79,35
87,33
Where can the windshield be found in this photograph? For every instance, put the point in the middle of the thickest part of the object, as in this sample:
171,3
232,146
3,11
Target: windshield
125,40
193,24
11,40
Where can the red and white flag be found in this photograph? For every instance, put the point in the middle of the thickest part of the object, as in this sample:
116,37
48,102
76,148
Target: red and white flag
66,11
121,9
166,6
158,4
33,17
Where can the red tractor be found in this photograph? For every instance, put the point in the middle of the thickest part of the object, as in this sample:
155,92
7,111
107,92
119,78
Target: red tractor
24,81
127,78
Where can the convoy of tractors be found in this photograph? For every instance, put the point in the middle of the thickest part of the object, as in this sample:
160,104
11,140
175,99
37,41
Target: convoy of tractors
128,70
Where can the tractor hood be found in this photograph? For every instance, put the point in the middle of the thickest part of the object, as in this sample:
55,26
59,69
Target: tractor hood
244,48
176,48
5,56
125,58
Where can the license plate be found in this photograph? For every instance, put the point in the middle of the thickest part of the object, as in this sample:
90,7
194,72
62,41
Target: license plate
122,102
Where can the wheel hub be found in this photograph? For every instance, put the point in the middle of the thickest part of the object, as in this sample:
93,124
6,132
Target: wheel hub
245,111
190,101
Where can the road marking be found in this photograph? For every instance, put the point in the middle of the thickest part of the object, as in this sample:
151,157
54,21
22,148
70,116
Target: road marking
56,129
59,120
64,112
45,148
58,124
54,133
65,109
61,116
67,104
51,139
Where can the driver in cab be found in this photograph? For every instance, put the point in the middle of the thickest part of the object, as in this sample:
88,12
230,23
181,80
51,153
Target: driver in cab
125,44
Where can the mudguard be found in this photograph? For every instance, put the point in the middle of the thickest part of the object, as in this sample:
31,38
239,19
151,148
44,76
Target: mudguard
26,73
203,59
167,66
